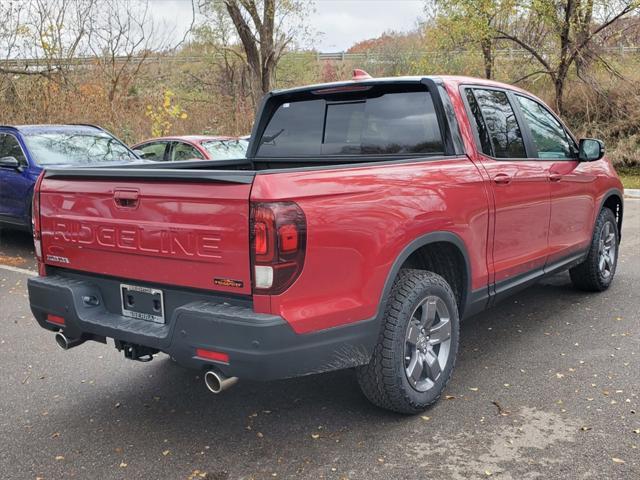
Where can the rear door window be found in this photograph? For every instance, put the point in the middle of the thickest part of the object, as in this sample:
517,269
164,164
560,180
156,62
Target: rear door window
184,151
500,122
154,151
395,123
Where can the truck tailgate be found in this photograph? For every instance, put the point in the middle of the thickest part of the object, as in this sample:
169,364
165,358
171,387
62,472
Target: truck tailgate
191,234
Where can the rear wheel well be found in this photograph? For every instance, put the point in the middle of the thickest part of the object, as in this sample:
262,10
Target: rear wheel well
614,203
445,259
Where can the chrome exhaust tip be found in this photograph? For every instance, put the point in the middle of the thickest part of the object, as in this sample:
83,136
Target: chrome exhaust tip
216,382
67,343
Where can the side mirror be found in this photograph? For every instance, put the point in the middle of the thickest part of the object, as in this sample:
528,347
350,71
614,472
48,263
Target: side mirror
9,162
590,150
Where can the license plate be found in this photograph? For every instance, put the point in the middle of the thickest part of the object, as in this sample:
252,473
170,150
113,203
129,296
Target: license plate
142,303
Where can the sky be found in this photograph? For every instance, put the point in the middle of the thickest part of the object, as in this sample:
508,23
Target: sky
341,22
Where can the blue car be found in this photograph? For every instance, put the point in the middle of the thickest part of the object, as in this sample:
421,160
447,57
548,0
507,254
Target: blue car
26,150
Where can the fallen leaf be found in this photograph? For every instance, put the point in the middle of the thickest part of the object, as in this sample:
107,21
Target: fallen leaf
473,389
449,397
617,460
123,465
425,418
559,375
501,411
315,435
488,473
165,453
59,457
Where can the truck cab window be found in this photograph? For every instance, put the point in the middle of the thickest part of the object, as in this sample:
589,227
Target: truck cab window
501,123
549,136
394,123
481,127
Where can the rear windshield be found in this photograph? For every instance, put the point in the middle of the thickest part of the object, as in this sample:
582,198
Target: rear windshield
392,123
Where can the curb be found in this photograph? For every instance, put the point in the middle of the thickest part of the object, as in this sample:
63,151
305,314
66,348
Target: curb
632,192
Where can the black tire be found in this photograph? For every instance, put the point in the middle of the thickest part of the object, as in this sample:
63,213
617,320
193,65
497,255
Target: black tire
385,379
589,275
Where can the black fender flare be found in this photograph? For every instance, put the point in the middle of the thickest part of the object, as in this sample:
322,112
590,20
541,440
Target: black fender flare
613,192
408,250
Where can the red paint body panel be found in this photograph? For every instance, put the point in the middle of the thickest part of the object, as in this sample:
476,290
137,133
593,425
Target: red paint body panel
521,215
184,235
360,219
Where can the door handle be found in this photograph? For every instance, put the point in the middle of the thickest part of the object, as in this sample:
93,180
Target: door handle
502,179
555,177
126,198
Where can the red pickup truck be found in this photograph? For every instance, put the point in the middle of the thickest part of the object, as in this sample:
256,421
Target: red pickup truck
369,217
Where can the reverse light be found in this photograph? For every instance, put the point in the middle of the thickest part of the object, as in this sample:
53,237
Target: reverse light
264,276
212,355
37,245
278,243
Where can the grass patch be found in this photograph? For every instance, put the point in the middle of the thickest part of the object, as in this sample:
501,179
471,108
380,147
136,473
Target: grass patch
630,176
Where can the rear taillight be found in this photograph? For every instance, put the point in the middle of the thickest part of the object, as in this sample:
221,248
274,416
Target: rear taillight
35,225
278,243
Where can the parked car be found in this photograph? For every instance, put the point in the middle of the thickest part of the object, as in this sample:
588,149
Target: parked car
192,147
25,150
369,218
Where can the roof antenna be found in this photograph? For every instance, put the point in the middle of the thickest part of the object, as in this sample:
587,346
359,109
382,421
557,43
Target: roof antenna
359,74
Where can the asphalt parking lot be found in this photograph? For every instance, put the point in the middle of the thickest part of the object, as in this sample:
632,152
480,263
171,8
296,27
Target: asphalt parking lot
547,385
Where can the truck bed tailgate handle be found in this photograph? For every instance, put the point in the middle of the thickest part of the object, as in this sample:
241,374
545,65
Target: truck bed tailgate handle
126,198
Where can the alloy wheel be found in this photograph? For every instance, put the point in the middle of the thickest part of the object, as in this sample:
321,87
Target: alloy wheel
607,250
427,343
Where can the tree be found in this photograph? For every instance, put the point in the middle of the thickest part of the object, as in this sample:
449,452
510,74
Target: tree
121,37
561,34
473,21
58,27
265,29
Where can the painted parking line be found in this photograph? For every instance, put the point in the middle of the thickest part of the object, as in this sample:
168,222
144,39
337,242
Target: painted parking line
24,271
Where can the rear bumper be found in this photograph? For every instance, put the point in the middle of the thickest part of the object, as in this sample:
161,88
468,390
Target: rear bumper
260,346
